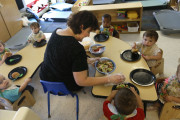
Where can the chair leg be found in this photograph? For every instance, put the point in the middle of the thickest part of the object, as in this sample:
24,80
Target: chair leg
77,106
49,105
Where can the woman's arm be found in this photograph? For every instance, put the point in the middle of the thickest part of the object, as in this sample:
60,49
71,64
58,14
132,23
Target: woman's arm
82,79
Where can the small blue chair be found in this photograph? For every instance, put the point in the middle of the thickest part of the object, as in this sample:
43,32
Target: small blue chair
58,88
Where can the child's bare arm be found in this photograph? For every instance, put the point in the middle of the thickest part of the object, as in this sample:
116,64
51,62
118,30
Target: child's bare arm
6,54
111,96
154,57
139,101
23,86
172,99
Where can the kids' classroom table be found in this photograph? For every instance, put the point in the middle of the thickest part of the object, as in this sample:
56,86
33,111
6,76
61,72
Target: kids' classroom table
31,59
114,47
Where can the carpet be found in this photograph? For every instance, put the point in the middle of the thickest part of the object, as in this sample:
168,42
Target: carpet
49,27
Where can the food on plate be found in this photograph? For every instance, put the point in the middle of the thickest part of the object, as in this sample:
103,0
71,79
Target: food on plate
15,75
133,50
122,85
105,66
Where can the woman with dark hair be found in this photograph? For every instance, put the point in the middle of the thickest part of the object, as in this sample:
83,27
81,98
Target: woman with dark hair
65,59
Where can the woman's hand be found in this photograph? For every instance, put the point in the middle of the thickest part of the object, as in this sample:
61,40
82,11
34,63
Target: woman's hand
93,60
116,78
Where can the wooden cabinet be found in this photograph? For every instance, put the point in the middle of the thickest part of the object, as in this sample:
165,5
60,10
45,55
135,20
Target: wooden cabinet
80,3
112,9
10,19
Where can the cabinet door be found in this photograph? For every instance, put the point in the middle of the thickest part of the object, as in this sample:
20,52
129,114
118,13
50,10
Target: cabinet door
4,34
11,16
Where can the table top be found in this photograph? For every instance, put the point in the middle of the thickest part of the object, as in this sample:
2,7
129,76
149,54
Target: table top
114,47
31,59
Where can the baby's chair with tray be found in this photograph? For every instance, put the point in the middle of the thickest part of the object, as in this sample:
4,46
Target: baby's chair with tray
159,67
26,99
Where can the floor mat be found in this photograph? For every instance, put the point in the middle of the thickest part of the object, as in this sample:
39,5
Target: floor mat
49,27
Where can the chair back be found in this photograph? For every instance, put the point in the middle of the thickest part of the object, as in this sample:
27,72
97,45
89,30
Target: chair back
55,88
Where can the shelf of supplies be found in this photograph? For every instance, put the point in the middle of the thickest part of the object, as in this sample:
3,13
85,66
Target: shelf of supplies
112,9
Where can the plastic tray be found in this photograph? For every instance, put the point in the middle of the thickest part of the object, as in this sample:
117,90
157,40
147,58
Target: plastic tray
168,20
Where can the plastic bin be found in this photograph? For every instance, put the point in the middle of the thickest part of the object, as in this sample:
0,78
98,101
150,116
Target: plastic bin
132,27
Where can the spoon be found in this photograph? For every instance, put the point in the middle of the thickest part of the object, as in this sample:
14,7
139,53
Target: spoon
11,60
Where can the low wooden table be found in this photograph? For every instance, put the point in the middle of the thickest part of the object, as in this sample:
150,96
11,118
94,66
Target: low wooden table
114,47
31,59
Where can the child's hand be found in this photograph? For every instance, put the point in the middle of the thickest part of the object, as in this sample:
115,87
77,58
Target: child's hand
146,57
97,31
8,54
29,41
134,46
4,84
28,80
133,90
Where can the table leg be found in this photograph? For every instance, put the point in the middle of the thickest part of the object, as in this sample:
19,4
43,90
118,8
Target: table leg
145,106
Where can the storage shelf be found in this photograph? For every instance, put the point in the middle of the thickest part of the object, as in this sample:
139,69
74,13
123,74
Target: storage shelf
112,9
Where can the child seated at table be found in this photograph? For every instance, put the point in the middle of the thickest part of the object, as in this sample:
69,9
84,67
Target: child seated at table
4,53
148,48
106,26
127,105
10,91
168,90
37,34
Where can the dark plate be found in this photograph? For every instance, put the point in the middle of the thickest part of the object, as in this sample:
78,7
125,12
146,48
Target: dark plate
21,70
114,66
129,84
142,77
13,59
127,55
39,44
101,37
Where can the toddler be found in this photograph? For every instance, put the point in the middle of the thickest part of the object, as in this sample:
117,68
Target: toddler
106,26
37,34
127,105
169,90
4,53
148,48
10,91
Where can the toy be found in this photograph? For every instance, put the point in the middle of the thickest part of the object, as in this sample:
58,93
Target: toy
132,14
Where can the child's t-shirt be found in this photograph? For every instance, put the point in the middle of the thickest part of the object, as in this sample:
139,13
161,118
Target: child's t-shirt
1,54
149,51
34,37
110,31
11,94
110,110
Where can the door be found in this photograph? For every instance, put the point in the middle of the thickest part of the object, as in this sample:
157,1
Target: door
4,34
11,16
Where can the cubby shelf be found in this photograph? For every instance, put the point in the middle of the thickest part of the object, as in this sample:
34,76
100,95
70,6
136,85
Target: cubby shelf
100,10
